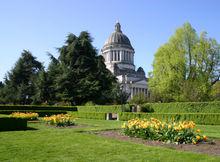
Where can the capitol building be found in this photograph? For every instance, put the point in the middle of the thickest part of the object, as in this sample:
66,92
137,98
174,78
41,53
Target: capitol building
119,59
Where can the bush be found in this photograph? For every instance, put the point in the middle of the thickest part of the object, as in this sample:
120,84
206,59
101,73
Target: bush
146,108
198,118
59,120
9,123
28,115
41,113
126,108
172,132
100,108
184,107
89,115
37,107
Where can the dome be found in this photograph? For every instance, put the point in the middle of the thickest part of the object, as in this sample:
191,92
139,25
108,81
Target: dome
140,70
118,38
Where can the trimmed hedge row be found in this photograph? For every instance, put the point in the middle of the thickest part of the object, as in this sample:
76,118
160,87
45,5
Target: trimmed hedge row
183,107
41,113
10,123
88,115
198,118
100,108
37,107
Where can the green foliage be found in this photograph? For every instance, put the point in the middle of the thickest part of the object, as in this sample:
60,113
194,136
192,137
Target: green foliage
215,92
41,110
82,74
51,144
59,120
11,123
185,68
138,99
89,103
198,118
37,107
171,132
147,108
126,108
89,115
28,116
100,108
20,82
184,107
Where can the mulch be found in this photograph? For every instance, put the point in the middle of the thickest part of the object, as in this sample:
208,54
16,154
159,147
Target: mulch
212,147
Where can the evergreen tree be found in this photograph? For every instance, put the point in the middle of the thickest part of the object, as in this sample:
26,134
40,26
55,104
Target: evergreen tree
83,76
20,85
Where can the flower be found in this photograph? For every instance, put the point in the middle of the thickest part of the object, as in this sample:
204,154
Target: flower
164,131
198,137
198,130
194,142
205,138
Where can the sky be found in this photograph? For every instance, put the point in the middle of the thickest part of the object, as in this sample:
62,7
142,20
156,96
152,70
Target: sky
41,26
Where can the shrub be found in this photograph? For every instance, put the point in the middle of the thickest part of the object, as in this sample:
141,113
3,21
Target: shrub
198,118
185,107
60,120
126,108
171,132
146,108
28,115
89,115
37,107
41,113
8,123
100,108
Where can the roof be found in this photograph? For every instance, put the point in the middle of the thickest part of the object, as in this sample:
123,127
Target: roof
118,38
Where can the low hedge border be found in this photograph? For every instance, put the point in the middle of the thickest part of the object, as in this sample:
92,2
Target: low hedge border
100,108
88,115
10,123
37,107
41,113
198,118
183,107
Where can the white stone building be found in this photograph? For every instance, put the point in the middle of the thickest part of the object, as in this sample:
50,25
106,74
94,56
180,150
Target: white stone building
119,59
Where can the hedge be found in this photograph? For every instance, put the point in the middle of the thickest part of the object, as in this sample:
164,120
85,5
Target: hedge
100,108
198,118
37,107
183,107
41,113
10,123
89,115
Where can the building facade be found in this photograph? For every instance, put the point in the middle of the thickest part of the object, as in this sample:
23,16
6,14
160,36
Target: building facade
119,59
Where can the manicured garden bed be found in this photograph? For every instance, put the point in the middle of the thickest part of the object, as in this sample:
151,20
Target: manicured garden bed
8,123
83,144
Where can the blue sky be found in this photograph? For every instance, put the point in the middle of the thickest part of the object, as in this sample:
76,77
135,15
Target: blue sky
42,25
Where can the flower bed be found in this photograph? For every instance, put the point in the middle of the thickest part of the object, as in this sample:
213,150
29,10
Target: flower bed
28,115
181,132
60,120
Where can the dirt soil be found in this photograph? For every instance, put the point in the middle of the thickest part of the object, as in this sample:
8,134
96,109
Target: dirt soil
212,147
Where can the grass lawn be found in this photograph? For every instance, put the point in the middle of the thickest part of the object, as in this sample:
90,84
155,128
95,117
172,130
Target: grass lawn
76,144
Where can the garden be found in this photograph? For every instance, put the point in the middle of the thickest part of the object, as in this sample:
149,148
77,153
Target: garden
82,133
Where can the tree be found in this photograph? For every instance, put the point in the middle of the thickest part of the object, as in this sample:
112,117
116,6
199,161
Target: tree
83,76
20,85
215,92
185,68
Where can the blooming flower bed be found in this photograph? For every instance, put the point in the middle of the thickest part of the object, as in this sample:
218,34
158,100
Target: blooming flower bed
181,132
28,115
60,120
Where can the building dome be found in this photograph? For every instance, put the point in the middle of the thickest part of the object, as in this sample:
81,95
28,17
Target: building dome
117,38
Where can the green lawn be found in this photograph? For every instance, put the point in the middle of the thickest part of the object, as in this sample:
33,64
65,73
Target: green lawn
210,130
74,144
